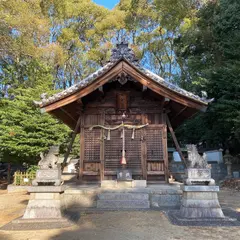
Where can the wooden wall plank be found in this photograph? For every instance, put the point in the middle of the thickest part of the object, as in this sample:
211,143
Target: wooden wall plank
166,167
102,147
144,154
82,147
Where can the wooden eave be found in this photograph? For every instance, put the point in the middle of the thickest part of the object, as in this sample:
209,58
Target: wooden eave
124,66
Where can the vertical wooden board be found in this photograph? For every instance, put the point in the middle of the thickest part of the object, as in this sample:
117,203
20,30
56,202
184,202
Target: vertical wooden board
92,119
102,147
166,170
156,118
81,153
143,154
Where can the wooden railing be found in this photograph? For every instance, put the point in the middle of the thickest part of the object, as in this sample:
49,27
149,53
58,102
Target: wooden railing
23,178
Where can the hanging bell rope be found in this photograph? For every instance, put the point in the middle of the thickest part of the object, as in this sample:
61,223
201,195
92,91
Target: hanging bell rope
108,136
121,134
133,133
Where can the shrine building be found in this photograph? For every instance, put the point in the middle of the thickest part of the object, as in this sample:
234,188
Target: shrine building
123,112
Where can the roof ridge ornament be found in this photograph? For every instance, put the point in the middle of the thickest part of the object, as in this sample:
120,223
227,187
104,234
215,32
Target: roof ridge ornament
122,50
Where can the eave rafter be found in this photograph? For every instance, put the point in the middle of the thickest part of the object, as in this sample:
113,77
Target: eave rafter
123,66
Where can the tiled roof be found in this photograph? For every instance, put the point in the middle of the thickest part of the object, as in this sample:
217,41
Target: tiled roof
122,51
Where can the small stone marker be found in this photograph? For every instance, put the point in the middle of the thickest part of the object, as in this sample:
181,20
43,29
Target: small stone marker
124,174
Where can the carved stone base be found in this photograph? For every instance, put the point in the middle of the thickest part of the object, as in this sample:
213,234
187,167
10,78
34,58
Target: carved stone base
200,202
44,203
198,176
49,176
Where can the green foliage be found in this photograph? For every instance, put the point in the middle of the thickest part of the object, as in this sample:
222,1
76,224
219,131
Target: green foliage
32,169
24,131
48,45
210,54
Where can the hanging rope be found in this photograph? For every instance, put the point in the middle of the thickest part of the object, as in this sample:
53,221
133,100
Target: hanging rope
108,136
117,127
109,129
133,133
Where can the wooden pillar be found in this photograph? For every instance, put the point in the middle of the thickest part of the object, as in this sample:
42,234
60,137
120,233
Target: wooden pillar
102,148
165,149
82,149
144,149
144,154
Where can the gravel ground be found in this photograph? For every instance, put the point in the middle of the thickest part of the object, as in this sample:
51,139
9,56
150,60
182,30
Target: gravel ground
117,225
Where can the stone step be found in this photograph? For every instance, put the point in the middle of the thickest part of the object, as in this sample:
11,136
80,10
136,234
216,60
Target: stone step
123,196
123,204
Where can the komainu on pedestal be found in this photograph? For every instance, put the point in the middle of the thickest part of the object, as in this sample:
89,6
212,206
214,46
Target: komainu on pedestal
198,171
49,172
45,194
200,199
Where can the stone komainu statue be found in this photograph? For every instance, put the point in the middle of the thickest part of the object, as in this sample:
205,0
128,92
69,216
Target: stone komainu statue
197,172
50,160
194,159
49,172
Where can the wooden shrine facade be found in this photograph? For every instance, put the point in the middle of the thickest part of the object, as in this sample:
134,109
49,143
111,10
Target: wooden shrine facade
146,151
123,86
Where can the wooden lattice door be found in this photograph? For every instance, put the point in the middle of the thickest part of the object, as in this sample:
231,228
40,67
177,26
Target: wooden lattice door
155,154
92,151
113,151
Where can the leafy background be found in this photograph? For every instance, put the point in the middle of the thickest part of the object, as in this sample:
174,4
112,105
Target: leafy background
49,45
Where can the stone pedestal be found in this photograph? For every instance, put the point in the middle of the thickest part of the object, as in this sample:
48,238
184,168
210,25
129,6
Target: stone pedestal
198,176
48,176
44,203
200,202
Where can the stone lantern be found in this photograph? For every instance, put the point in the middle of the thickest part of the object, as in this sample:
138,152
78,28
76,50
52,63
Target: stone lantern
228,161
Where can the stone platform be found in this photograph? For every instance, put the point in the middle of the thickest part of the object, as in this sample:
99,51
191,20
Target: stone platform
123,200
124,184
92,196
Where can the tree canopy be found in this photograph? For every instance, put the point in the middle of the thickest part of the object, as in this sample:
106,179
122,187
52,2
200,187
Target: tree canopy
46,46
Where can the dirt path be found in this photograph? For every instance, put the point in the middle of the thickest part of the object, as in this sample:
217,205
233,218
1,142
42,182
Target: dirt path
117,225
12,205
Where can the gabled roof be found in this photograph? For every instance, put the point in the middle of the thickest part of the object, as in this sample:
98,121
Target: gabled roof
122,54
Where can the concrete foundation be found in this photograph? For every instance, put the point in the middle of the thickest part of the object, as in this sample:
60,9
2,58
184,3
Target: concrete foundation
159,196
200,202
